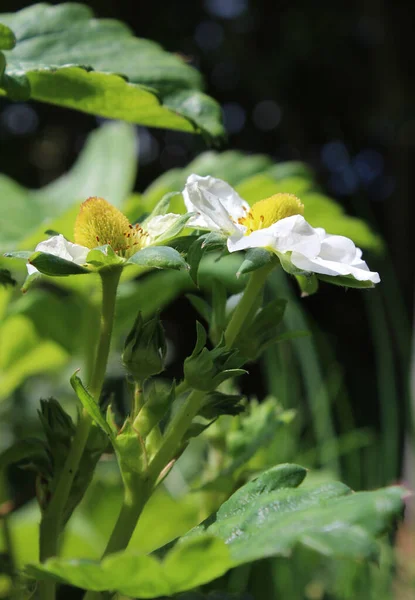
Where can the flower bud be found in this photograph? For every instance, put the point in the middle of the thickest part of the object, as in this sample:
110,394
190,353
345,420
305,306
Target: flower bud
145,348
205,369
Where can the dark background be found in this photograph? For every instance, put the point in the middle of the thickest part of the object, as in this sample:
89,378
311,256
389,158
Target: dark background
328,83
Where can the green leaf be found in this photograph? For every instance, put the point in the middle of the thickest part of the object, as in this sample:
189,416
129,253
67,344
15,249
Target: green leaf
193,563
277,517
7,39
81,539
159,257
52,265
90,405
66,57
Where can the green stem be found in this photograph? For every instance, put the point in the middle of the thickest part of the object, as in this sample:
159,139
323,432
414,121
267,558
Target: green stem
241,314
138,492
173,436
52,519
242,311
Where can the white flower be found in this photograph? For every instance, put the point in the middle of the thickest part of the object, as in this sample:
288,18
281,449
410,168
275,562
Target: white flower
57,245
275,223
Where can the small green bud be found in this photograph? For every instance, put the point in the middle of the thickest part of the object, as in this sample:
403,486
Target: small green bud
157,401
145,348
205,369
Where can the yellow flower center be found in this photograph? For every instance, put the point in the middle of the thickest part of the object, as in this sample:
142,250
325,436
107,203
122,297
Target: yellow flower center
99,223
270,210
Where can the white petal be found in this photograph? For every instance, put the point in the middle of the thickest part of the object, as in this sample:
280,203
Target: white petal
160,224
338,248
218,204
295,234
286,235
59,246
326,267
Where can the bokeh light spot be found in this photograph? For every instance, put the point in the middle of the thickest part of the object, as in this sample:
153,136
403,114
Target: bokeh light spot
266,115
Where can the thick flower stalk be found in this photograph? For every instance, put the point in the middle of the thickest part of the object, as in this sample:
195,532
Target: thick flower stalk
277,224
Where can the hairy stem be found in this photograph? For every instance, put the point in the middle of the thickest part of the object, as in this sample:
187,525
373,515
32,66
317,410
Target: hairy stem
137,493
52,519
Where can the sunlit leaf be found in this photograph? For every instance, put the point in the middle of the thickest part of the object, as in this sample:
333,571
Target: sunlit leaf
64,56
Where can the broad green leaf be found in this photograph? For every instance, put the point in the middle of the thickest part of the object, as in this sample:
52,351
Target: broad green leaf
90,405
187,566
263,185
328,518
64,56
80,540
158,257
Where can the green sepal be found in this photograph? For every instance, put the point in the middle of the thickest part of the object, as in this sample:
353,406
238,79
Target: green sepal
24,254
256,258
216,404
7,38
177,227
205,369
130,450
263,331
162,206
207,242
90,405
104,256
157,401
30,280
54,266
218,320
346,281
308,284
158,257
